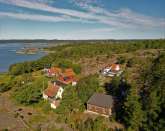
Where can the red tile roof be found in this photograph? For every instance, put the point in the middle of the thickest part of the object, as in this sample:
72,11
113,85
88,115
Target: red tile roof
55,70
52,90
69,72
67,79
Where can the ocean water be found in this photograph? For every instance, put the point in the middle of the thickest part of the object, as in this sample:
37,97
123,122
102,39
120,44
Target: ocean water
8,54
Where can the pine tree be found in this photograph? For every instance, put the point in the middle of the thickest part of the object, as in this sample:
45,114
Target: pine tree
154,96
133,114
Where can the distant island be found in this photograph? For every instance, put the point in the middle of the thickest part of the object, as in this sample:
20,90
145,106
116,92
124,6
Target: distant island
29,51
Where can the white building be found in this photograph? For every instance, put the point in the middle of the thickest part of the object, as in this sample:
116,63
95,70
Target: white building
54,104
53,92
112,70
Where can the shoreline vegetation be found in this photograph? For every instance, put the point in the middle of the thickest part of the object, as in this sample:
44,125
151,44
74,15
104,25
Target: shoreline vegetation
139,90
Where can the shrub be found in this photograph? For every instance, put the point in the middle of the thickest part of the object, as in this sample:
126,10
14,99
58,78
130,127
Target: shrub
120,60
31,92
129,63
87,86
4,87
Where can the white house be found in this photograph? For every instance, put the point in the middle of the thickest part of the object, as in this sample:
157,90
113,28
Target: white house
53,92
112,70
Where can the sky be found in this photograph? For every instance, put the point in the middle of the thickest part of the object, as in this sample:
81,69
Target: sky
82,19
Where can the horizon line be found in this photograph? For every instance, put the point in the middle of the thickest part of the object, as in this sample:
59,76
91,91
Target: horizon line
82,39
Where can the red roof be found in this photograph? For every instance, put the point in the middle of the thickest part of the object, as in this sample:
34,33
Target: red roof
55,70
67,79
69,72
52,90
115,67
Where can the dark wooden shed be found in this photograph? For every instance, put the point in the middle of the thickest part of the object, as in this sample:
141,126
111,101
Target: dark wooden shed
101,104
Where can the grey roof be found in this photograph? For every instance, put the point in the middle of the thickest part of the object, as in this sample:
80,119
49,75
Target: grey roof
101,100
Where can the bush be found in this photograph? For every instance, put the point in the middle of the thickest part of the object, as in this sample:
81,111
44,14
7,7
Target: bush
120,60
20,68
129,63
31,92
87,86
70,102
76,68
68,64
89,124
4,87
46,107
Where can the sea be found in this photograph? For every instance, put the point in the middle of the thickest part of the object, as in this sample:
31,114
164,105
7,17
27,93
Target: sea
9,56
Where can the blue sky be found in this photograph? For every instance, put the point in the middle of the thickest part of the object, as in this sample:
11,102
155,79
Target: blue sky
82,19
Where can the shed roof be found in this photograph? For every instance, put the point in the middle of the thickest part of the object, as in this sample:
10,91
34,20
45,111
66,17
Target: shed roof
101,100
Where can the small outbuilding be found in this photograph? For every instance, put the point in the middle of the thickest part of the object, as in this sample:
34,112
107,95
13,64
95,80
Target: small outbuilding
101,104
112,70
54,104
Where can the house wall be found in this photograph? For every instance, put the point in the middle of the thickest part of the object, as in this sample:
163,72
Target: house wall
44,96
53,106
59,93
74,83
99,110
